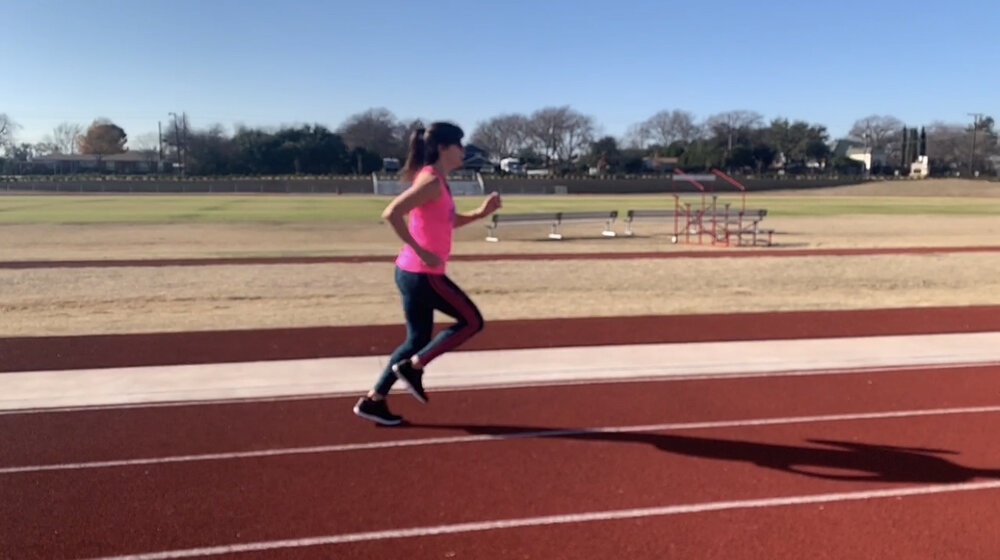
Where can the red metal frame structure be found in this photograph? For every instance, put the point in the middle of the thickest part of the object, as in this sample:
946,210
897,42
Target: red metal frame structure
744,223
735,183
696,219
720,220
722,224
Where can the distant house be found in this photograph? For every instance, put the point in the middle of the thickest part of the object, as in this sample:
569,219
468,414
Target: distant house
65,163
782,163
474,150
142,161
137,161
390,165
921,168
477,159
857,151
838,148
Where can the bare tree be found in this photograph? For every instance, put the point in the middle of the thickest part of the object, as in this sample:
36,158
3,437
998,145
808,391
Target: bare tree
666,127
502,135
175,138
560,133
405,130
636,137
949,145
733,127
988,139
546,128
44,149
7,128
375,130
579,136
147,141
880,132
211,152
64,137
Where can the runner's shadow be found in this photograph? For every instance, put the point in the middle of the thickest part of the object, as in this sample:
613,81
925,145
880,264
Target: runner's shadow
836,460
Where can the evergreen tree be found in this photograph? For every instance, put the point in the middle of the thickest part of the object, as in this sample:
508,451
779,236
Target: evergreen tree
904,153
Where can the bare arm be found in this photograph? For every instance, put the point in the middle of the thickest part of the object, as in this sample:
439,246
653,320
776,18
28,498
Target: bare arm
424,189
488,206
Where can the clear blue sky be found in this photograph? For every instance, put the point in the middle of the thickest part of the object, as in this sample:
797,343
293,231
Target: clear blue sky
290,61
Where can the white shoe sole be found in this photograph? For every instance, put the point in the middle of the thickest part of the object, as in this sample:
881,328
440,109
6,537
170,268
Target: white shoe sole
376,419
409,387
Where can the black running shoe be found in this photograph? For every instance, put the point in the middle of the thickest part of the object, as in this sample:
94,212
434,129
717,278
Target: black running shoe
376,411
412,378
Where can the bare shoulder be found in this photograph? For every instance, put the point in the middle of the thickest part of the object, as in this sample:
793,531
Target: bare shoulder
426,181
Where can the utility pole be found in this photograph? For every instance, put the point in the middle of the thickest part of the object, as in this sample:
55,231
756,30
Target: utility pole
184,121
976,119
159,140
177,139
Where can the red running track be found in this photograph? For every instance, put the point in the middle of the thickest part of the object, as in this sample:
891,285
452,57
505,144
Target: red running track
686,473
246,345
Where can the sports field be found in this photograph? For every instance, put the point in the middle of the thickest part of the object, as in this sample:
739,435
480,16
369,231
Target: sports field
670,279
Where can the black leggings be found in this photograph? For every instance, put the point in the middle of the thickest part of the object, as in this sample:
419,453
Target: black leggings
422,294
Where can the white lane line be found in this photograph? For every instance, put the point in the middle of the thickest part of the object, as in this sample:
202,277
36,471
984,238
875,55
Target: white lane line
561,520
511,385
721,376
498,437
170,404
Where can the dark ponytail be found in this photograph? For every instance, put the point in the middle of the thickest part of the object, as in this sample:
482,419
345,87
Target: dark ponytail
425,145
414,155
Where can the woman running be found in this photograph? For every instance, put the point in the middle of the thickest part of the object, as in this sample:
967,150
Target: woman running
420,266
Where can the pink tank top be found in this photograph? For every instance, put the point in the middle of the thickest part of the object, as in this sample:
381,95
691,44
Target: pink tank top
431,225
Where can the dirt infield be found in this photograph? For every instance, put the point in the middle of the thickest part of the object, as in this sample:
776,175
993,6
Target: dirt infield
61,301
171,241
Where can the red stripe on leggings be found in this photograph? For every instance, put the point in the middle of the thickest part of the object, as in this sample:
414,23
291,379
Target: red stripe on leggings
462,306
